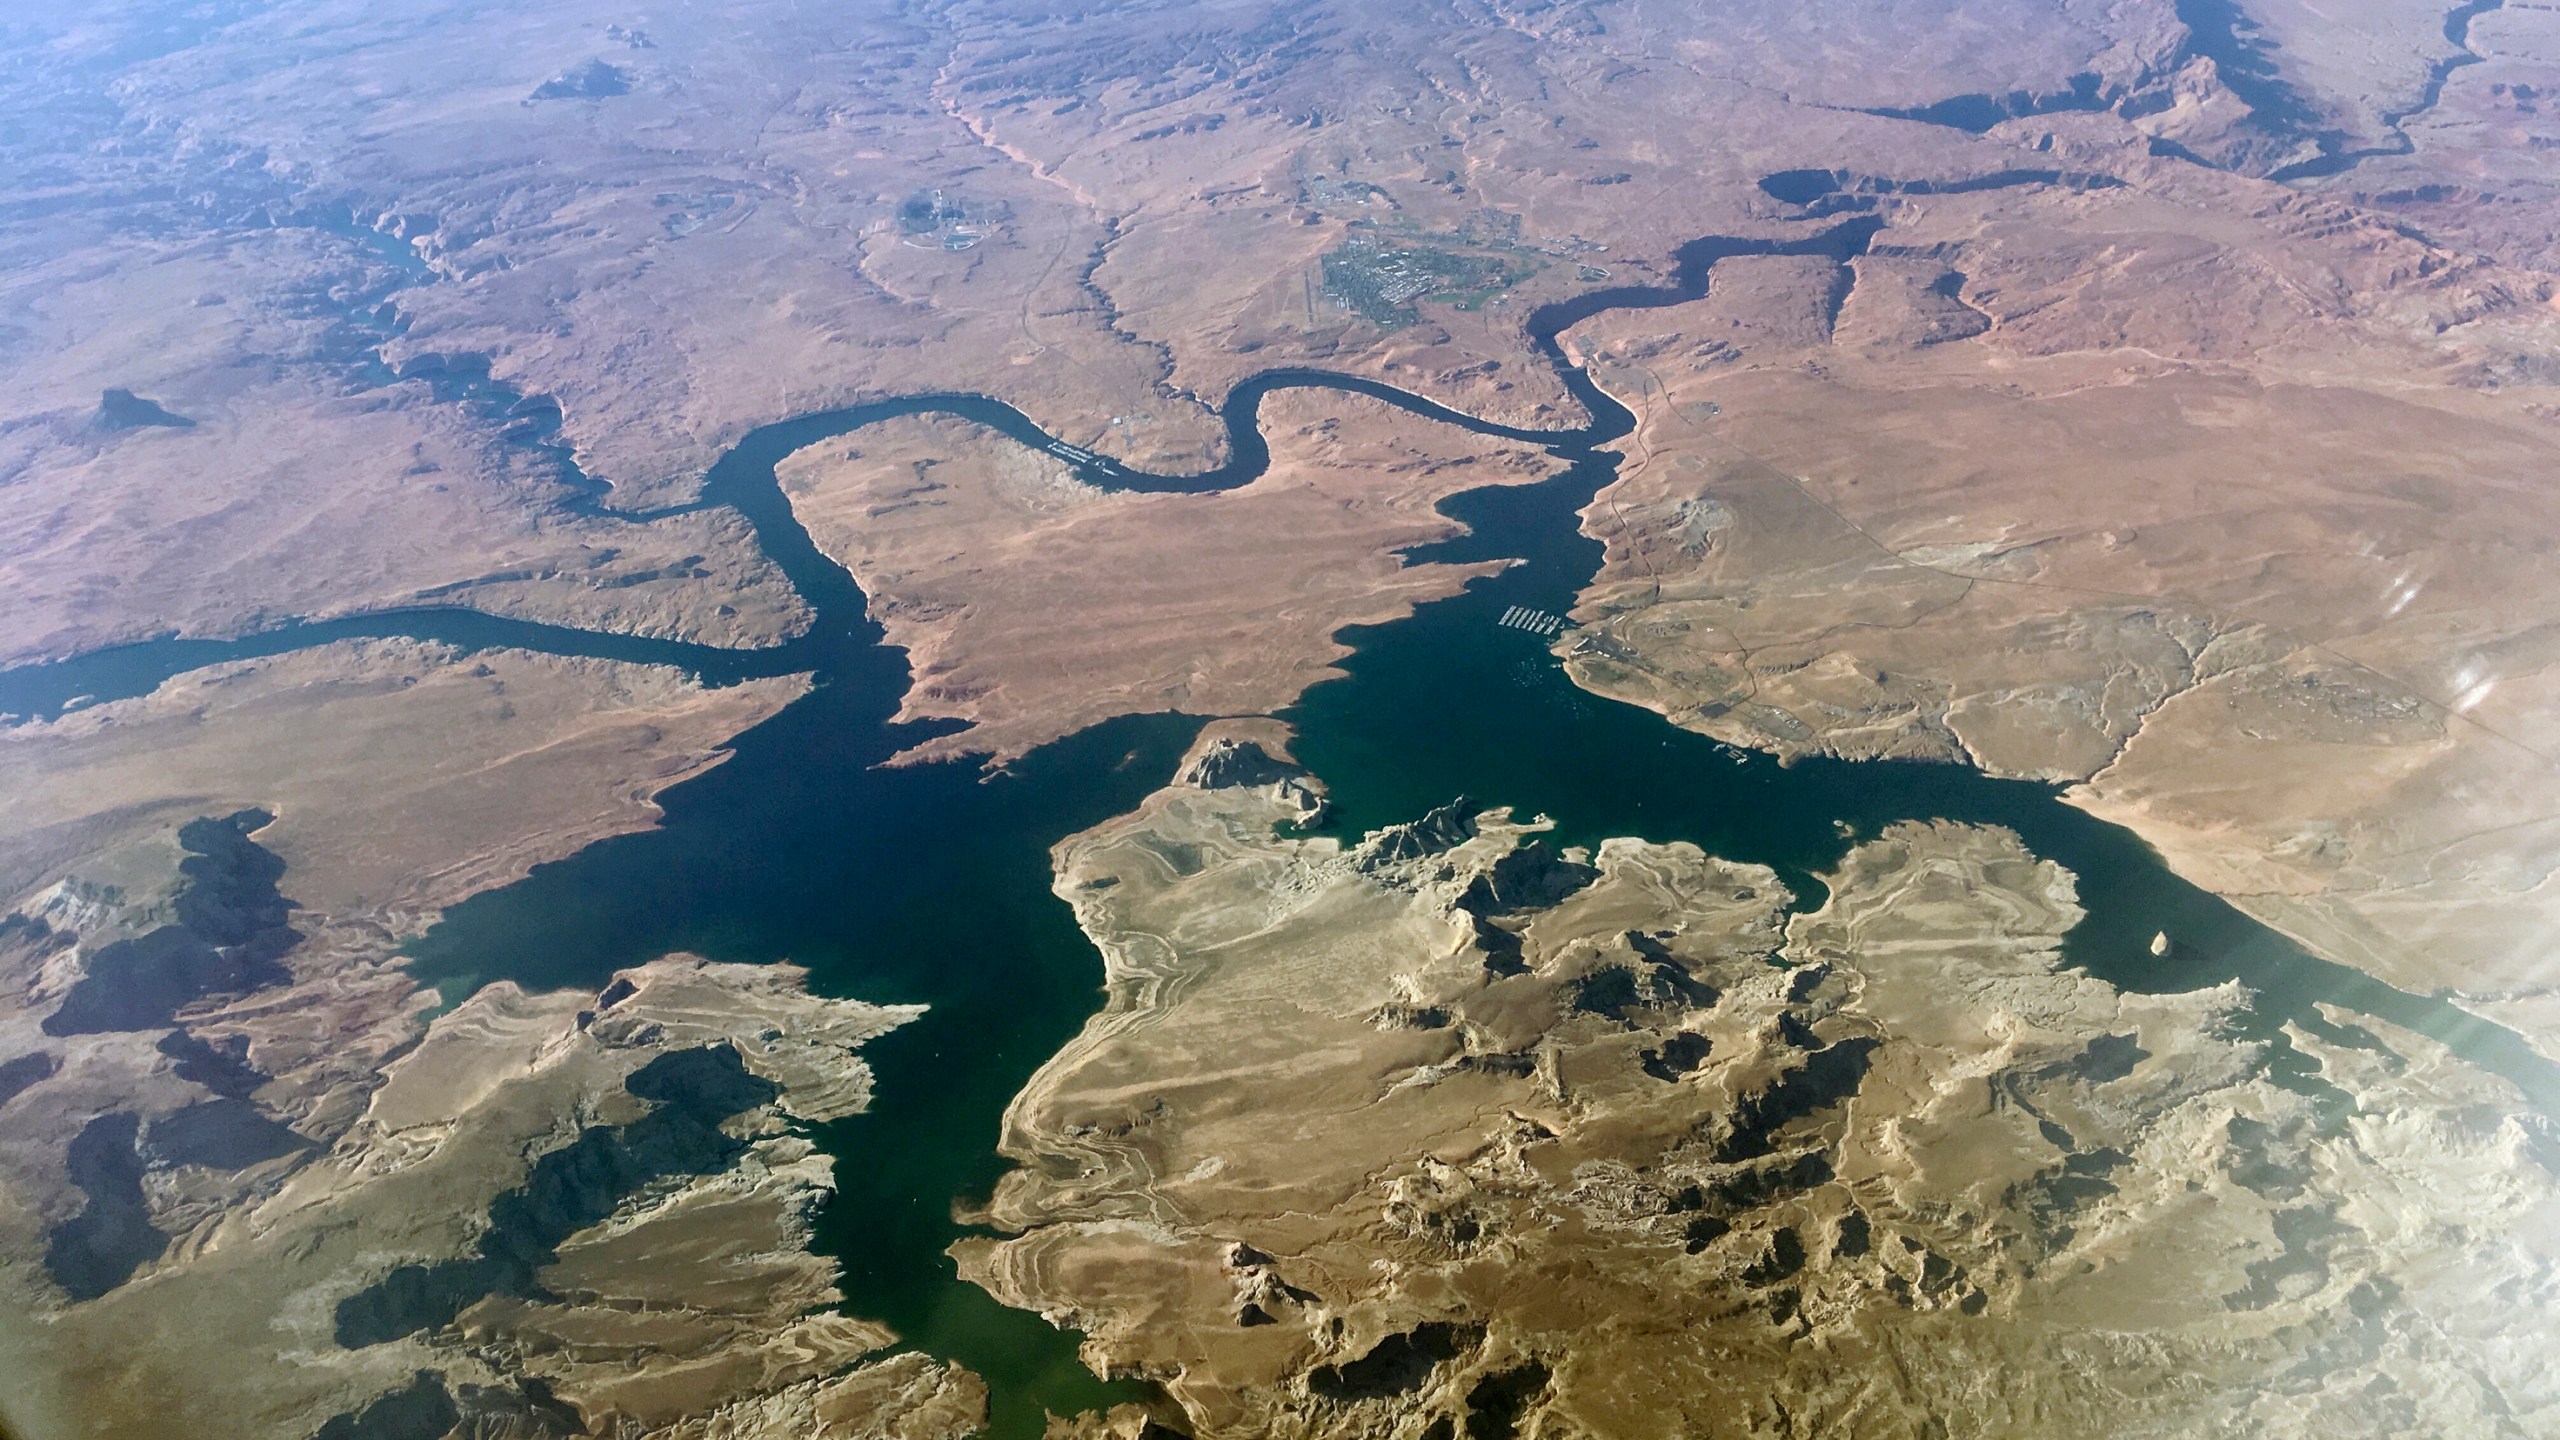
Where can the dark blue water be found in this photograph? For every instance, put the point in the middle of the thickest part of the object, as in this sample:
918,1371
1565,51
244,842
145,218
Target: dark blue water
1448,703
931,883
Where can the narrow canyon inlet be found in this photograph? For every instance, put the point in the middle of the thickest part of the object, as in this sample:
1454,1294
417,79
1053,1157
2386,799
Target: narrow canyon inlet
1512,721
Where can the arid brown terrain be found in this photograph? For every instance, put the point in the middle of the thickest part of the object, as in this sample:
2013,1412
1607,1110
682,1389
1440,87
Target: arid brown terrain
209,1020
2156,399
1032,605
474,769
2270,590
1449,1128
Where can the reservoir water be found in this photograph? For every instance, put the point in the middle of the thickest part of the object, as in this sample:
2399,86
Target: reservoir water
931,883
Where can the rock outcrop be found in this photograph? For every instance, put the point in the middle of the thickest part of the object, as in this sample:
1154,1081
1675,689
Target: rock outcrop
1686,1162
317,1213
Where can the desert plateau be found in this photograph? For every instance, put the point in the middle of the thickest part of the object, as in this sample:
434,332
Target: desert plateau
1523,719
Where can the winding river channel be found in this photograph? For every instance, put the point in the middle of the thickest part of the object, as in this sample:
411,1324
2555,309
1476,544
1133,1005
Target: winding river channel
931,883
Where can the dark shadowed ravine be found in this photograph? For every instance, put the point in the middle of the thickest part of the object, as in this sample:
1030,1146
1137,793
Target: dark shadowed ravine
931,883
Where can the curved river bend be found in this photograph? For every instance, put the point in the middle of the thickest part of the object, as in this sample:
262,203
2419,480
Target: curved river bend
931,883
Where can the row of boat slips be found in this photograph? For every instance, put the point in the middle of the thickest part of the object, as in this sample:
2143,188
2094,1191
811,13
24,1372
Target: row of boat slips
1536,622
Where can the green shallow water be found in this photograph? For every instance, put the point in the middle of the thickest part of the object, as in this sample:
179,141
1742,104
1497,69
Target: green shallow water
919,884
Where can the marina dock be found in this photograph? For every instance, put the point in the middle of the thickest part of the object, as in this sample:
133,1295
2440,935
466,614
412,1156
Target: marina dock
1536,622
